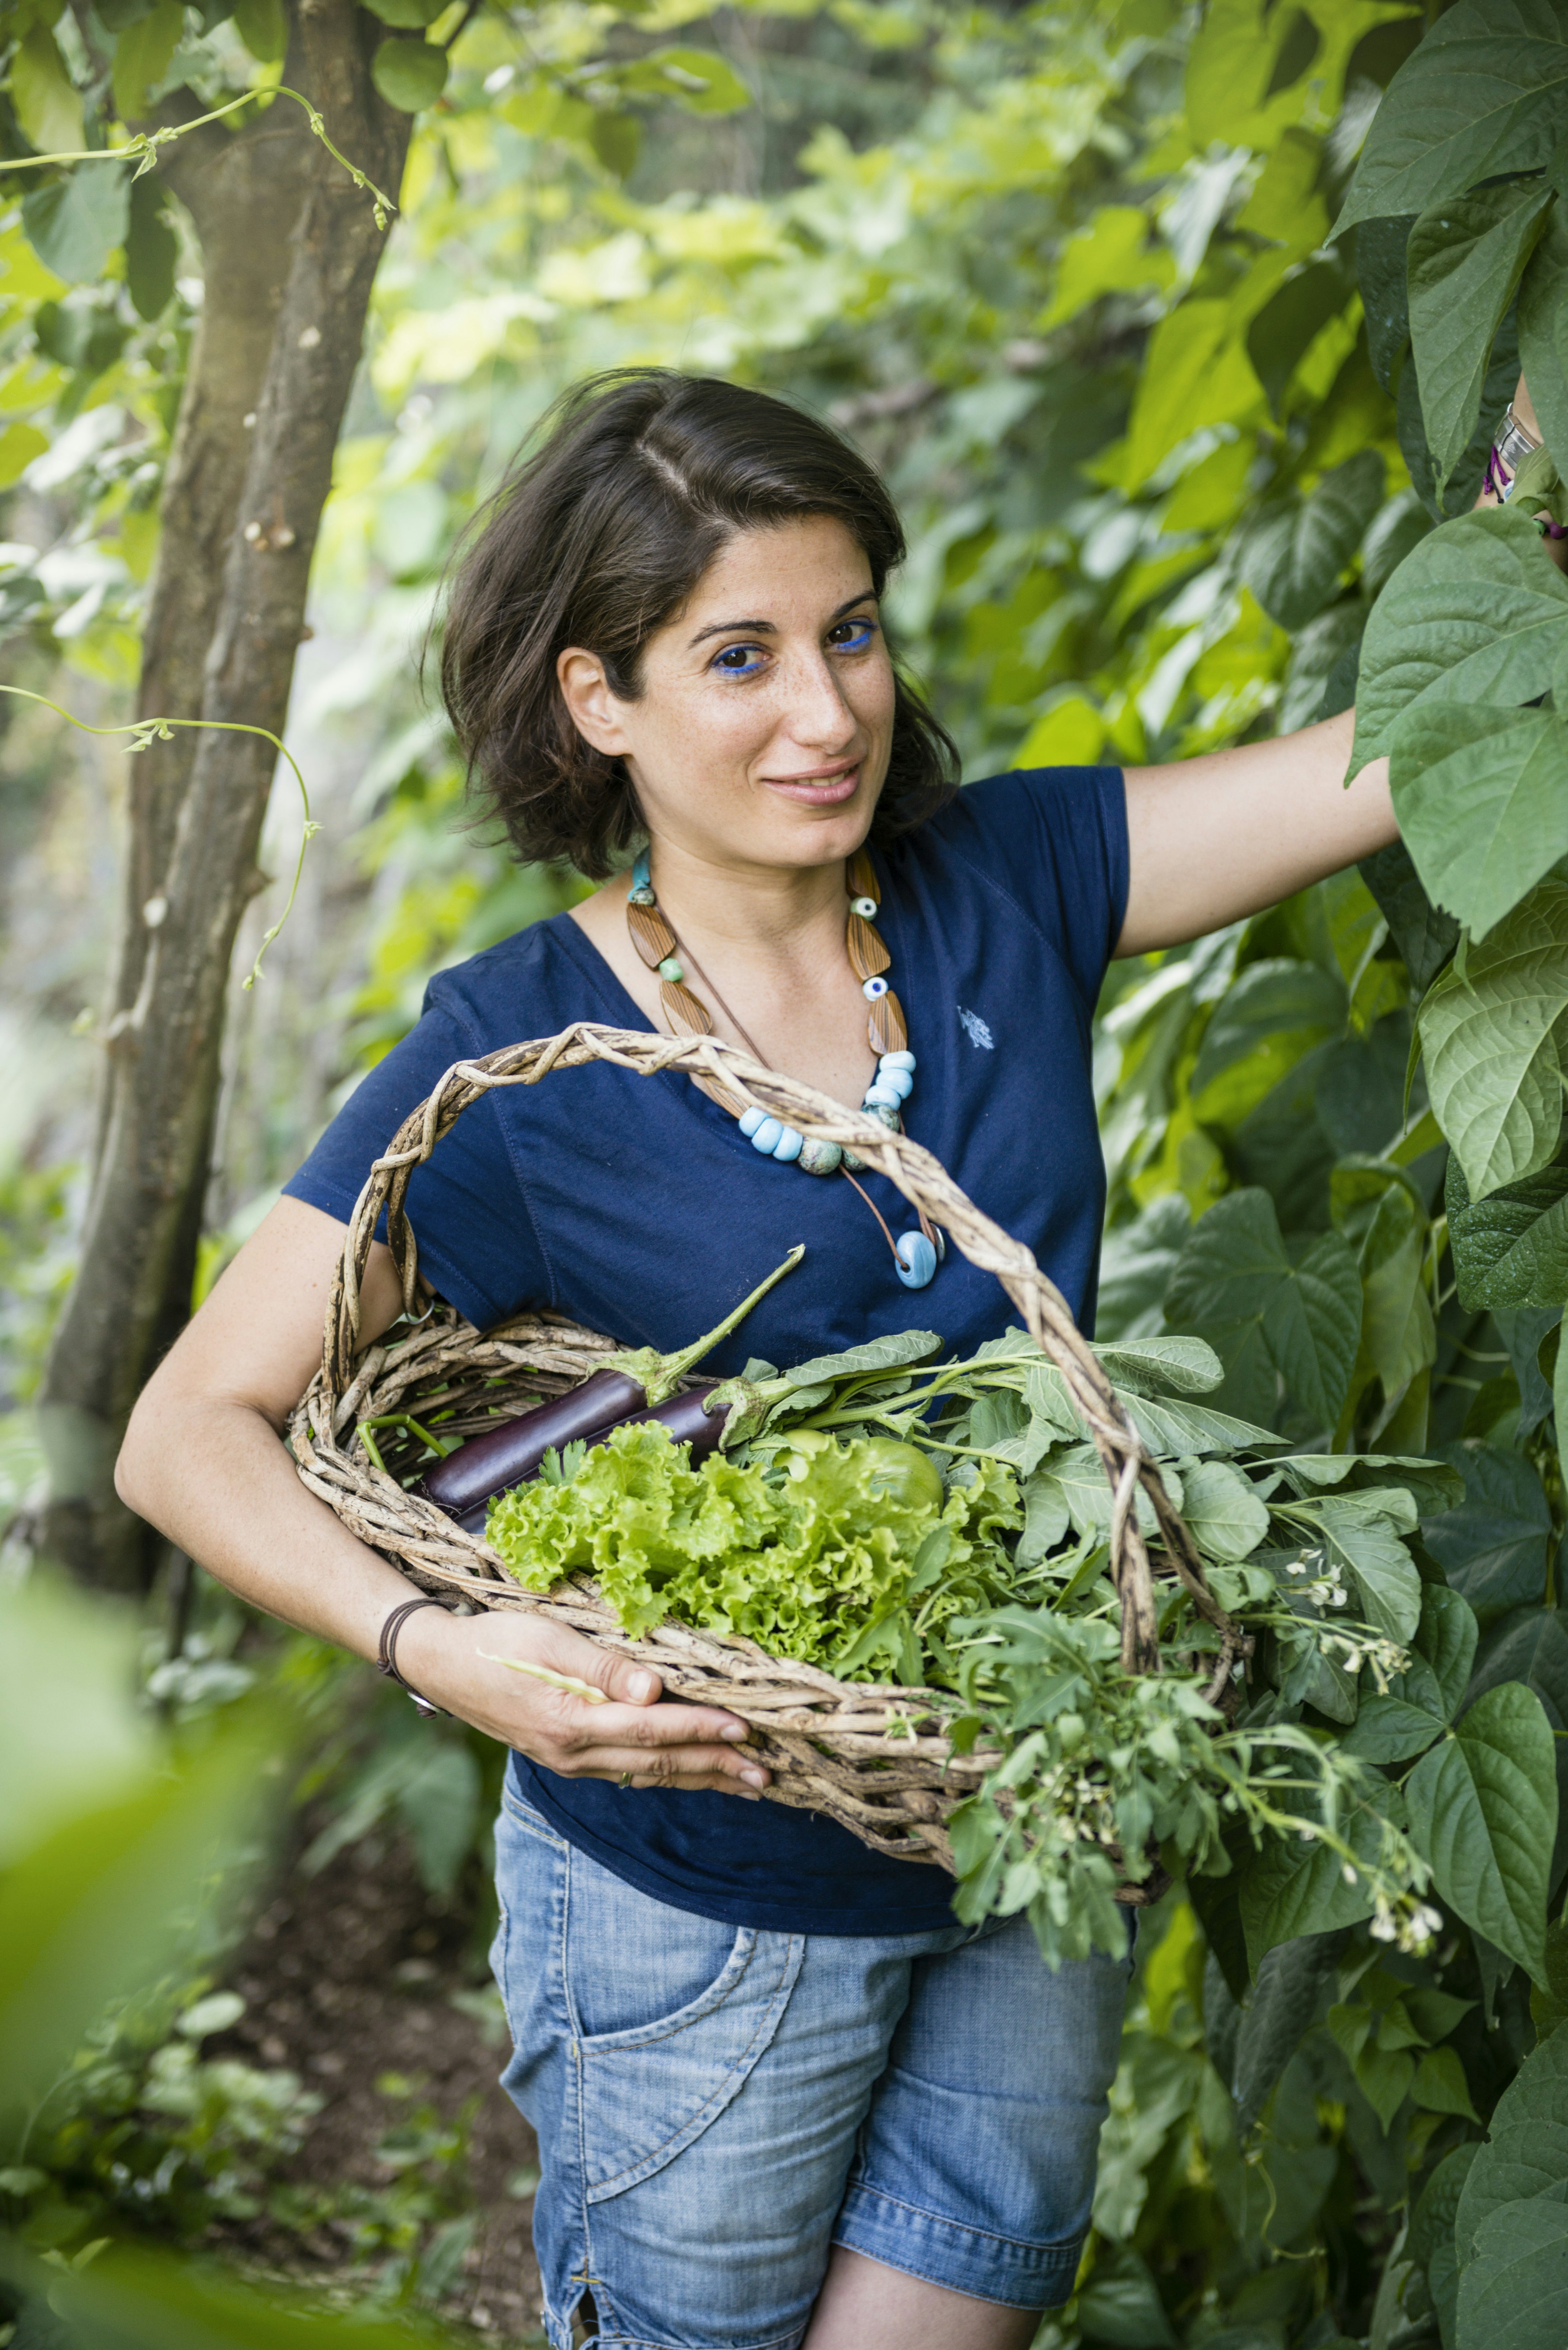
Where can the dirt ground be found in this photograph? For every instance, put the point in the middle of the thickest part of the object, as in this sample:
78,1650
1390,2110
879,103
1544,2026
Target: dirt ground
347,1976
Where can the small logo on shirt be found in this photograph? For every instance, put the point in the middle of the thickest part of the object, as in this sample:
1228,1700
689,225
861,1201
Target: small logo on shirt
976,1030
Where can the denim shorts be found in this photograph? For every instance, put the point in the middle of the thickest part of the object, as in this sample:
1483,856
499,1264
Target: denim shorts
718,2105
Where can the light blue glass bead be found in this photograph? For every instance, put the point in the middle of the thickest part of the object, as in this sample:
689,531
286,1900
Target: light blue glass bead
916,1259
897,1082
788,1145
881,1095
820,1158
897,1061
766,1137
750,1120
872,988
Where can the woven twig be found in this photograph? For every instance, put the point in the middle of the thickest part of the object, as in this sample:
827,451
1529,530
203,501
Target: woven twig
877,1758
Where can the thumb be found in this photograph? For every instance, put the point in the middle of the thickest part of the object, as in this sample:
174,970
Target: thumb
621,1679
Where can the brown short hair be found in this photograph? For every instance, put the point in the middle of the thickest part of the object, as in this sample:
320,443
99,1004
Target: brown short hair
597,538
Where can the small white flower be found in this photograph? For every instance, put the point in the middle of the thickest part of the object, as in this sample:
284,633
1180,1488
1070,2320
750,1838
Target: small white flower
1348,1874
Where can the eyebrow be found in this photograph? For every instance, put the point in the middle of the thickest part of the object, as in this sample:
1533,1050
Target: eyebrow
767,629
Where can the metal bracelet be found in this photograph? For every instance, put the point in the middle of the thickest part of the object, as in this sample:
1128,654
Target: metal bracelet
1513,445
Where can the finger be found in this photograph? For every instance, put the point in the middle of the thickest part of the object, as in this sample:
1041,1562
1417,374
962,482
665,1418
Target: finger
655,1725
566,1657
674,1766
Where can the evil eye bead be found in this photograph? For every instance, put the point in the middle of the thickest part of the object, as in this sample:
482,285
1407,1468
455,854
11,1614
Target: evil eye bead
750,1120
873,988
672,971
916,1259
788,1145
897,1082
897,1061
881,1097
865,907
768,1135
820,1158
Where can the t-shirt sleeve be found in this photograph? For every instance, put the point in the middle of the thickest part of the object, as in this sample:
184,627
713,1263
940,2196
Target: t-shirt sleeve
1058,837
477,1245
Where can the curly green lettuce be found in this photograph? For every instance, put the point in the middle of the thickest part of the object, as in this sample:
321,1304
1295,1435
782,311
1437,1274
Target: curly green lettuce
800,1558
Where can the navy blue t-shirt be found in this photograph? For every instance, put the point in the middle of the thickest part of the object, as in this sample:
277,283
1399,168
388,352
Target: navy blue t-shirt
635,1205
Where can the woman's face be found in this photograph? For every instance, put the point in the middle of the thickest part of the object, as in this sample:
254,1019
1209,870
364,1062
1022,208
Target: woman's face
763,731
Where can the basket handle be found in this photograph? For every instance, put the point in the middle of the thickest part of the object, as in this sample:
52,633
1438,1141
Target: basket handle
924,1182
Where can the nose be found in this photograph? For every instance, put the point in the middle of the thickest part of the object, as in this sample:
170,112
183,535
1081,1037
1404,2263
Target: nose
816,714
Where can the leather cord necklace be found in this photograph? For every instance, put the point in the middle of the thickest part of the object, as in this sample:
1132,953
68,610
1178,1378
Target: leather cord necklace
916,1254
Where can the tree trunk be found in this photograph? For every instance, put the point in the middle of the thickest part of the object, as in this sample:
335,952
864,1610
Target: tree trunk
291,249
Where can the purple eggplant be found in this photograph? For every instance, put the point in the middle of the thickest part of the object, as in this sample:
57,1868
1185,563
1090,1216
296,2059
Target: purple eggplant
636,1386
504,1456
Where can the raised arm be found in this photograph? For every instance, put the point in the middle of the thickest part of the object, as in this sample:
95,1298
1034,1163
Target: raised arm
204,1459
1226,835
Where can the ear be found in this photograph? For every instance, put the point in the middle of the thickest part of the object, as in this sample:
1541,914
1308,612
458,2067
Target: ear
593,708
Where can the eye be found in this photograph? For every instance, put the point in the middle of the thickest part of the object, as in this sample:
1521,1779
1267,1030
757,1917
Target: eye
739,661
853,636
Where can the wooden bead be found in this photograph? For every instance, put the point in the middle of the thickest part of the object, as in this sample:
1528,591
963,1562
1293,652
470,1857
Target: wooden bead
684,1013
866,951
650,935
862,881
886,1027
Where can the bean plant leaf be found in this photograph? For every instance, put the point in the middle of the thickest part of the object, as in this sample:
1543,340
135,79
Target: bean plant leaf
1544,332
1477,612
1362,1538
1430,2242
1482,795
1514,2294
1493,1547
1223,1512
1489,1039
889,1353
1281,2006
1483,94
1446,1651
75,224
1523,2167
1275,1013
1380,270
1466,257
1151,1365
1391,1730
410,74
1511,1248
1483,1812
1283,332
1294,554
1296,1884
1267,1309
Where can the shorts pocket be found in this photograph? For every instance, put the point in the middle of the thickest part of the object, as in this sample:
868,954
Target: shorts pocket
650,2089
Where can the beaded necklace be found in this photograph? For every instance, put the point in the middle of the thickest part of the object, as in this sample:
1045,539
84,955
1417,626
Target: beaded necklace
917,1254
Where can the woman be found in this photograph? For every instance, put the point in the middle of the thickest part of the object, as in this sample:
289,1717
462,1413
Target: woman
780,2095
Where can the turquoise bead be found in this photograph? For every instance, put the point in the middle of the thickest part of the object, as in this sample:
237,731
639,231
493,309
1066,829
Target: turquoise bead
820,1158
767,1135
750,1121
856,1166
670,970
897,1082
881,1095
897,1061
916,1259
788,1145
890,1118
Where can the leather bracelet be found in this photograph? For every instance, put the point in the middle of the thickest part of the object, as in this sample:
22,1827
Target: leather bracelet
387,1652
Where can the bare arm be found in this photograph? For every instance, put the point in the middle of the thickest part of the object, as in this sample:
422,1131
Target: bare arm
1213,839
203,1460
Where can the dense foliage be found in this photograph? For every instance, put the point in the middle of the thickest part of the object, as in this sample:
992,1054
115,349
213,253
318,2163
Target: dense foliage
1186,407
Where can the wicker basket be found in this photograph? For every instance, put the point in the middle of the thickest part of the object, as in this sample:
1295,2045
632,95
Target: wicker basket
875,1758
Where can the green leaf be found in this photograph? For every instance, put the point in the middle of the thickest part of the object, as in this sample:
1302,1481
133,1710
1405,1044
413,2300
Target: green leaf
1431,2241
1440,2087
1294,554
1483,94
1482,795
1526,2158
1490,1042
889,1354
410,75
1511,1248
1277,1010
1278,2011
1223,1512
1475,613
1492,1548
1362,1539
263,26
1483,1812
1283,330
1466,257
43,99
1390,1730
1151,1365
1424,938
1446,1651
698,79
75,224
1514,2294
142,57
408,16
1380,246
1296,1886
1544,332
1194,373
1266,1308
152,251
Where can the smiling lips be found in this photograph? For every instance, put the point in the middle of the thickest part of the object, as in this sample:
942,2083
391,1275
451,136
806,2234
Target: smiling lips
819,790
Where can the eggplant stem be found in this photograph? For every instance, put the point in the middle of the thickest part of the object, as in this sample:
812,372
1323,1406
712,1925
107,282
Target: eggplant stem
660,1375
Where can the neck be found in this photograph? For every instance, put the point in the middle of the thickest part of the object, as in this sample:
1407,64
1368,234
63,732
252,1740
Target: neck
748,908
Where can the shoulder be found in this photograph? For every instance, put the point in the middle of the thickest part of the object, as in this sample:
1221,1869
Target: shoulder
532,977
1000,811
